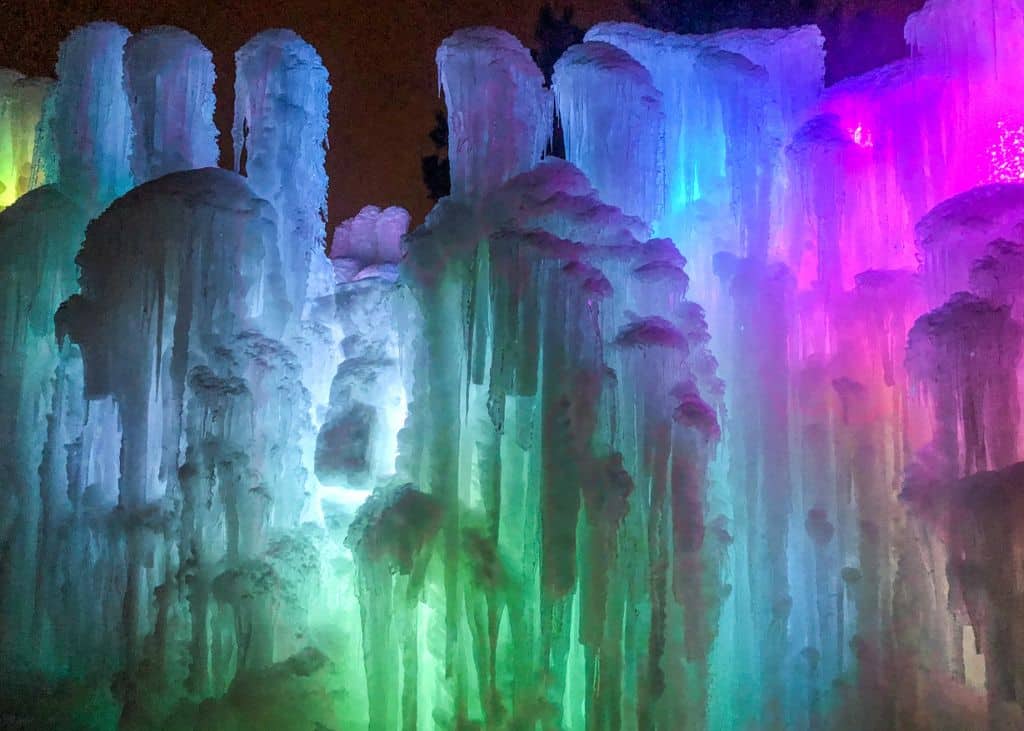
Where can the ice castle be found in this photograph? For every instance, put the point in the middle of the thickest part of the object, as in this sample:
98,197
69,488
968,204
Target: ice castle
714,424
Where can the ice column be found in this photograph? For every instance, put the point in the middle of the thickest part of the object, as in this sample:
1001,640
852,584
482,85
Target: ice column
87,133
212,479
39,236
21,105
48,444
280,138
614,126
499,113
168,76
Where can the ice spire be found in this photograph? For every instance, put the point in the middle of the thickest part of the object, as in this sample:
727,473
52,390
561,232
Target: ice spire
168,76
499,113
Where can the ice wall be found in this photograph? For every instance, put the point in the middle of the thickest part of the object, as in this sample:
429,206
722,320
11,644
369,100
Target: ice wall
499,113
168,77
542,536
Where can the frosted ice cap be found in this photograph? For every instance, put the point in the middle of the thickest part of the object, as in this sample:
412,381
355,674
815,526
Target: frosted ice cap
372,236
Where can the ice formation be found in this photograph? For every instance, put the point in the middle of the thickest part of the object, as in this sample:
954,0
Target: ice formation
21,105
168,76
713,425
498,108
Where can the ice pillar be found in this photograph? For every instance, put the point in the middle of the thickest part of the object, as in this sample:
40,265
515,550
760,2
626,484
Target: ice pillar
499,113
614,126
280,142
88,129
168,76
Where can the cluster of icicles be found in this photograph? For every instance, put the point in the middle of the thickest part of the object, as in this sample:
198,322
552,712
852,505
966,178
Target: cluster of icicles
488,474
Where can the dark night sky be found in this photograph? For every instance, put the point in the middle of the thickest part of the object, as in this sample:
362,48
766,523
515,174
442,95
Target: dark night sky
380,55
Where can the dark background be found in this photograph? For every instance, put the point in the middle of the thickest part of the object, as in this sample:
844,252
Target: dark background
380,55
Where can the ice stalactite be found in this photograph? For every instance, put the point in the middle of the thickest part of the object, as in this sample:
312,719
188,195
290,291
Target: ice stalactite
998,276
980,40
168,77
757,487
965,355
980,516
822,156
499,113
21,105
614,126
